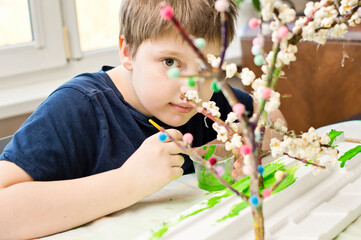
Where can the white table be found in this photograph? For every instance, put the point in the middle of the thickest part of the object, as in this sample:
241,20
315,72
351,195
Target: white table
314,207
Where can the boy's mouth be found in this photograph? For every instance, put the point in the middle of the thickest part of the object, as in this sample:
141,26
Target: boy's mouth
182,108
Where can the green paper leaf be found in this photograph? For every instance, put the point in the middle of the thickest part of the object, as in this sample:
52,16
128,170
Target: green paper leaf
349,154
237,1
210,152
333,134
257,5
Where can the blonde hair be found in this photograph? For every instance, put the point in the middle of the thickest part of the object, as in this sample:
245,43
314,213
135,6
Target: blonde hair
140,20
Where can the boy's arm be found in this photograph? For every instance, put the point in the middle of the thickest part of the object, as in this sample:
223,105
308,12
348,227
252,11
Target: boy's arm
31,209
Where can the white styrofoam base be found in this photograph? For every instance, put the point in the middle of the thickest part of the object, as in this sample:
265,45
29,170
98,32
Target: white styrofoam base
314,207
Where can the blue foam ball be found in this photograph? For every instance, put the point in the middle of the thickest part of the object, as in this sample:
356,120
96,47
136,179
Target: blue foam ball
162,137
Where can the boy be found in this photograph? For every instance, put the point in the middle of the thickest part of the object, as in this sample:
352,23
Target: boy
88,150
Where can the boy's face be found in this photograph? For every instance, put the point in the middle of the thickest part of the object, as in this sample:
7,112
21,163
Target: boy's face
156,94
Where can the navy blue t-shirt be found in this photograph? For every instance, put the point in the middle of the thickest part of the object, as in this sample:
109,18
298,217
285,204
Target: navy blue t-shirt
86,127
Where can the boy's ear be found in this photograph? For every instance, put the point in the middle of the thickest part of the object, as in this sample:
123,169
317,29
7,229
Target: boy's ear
125,55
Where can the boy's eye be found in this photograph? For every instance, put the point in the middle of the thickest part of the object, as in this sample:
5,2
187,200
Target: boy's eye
170,62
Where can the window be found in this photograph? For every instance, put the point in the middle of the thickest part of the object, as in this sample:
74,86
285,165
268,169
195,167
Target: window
47,44
48,34
98,23
42,49
15,26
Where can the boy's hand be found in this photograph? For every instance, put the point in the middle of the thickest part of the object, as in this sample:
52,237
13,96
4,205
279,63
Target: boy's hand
237,172
156,163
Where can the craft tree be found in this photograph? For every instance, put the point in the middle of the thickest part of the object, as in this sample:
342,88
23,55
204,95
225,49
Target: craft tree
240,134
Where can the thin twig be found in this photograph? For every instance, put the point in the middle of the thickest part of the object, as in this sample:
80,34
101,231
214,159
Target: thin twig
190,43
279,182
209,115
304,161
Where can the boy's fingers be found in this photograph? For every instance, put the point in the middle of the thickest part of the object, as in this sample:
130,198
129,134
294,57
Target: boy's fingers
174,133
172,148
237,164
236,172
176,172
176,161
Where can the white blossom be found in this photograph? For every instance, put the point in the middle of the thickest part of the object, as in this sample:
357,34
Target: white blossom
273,103
286,14
270,57
231,121
267,9
192,95
346,6
332,156
355,19
325,139
310,9
339,30
258,83
287,53
231,70
235,142
299,24
222,134
211,107
276,148
215,61
280,125
266,30
247,76
310,136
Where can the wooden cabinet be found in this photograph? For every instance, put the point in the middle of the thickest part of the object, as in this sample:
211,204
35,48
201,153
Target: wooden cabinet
324,82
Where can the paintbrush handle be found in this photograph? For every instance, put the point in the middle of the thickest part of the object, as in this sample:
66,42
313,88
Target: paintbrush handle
352,140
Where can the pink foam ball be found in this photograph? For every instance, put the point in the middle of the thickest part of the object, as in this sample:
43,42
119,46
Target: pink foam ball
256,41
266,93
247,170
246,149
219,170
253,23
166,12
221,5
188,138
239,108
266,192
282,32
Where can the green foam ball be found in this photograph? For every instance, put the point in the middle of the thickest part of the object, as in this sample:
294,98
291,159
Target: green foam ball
216,86
173,73
200,43
191,82
258,60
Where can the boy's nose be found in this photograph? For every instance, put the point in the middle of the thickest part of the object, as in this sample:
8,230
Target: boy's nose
184,88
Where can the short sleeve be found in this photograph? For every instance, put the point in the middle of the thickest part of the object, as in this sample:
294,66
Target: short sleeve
57,141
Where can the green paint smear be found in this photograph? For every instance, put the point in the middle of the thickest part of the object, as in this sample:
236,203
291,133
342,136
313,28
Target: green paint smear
290,179
349,154
333,134
158,234
235,210
243,186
